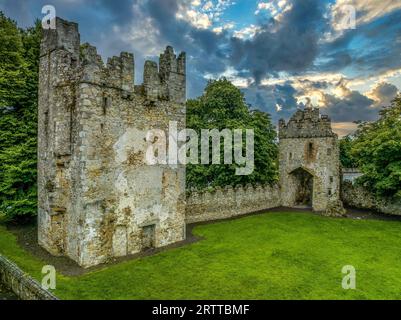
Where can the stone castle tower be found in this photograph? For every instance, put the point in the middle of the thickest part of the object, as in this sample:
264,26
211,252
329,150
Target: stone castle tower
97,197
309,161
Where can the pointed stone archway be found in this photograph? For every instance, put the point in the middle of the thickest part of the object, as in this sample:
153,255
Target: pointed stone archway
303,188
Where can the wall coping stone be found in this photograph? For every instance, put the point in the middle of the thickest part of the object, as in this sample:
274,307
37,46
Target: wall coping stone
22,284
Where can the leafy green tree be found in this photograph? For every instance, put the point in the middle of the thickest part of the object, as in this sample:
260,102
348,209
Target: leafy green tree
347,161
222,106
12,64
19,56
377,150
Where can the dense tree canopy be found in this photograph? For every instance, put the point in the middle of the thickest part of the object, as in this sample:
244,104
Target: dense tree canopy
377,150
347,161
19,56
222,106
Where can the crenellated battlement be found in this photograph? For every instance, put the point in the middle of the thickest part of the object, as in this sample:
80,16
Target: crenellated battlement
307,123
82,64
308,161
166,82
98,198
65,37
227,202
228,190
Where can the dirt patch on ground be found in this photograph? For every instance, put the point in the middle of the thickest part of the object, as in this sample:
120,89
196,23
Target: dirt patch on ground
27,238
366,214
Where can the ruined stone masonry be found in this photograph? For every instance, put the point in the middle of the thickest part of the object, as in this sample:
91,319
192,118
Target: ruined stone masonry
309,159
97,197
357,196
229,202
309,175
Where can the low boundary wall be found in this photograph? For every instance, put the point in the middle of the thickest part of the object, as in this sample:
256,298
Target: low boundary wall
229,202
25,287
356,196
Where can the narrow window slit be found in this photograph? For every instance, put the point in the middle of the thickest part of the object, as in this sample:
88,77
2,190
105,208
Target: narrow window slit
106,104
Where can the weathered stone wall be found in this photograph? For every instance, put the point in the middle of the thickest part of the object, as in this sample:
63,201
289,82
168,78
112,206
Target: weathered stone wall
230,202
350,174
98,198
21,283
356,196
308,144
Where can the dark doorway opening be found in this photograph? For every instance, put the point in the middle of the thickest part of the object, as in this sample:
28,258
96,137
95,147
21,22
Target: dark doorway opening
304,187
148,237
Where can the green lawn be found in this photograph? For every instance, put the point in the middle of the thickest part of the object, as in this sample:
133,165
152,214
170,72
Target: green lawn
270,256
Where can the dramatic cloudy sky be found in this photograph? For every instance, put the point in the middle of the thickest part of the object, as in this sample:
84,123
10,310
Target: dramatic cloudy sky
283,54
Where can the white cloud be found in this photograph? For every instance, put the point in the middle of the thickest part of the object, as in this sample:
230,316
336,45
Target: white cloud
383,93
282,3
344,128
220,29
264,6
364,84
247,32
144,38
231,74
203,14
208,5
276,8
366,11
196,3
198,19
